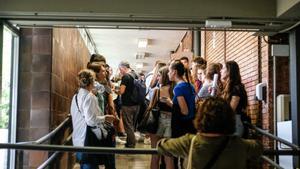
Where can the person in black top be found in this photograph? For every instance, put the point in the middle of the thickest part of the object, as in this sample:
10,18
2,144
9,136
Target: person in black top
130,106
234,93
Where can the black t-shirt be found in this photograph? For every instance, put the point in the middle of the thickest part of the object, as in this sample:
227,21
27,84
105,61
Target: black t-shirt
239,90
127,80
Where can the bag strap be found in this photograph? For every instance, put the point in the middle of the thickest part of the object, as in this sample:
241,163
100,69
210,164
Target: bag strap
217,153
155,99
189,164
76,100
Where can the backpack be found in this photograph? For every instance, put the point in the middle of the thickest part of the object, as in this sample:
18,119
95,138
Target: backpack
139,90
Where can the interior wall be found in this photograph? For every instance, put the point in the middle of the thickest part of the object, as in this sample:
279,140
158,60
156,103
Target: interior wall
70,55
33,109
185,47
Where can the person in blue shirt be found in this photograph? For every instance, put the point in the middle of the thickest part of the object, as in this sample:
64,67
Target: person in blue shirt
183,102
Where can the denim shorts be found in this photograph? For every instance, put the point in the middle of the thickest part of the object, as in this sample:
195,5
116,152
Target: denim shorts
164,125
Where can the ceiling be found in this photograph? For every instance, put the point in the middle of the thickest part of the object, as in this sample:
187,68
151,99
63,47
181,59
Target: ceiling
121,44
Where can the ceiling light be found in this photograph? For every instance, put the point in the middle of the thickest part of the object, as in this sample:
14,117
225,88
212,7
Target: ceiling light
142,43
218,24
139,65
140,55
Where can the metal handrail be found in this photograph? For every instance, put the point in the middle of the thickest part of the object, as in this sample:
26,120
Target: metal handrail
282,152
49,135
54,155
271,162
263,132
112,150
64,148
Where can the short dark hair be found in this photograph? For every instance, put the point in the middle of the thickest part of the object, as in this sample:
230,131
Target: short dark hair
96,67
215,115
97,58
200,61
184,58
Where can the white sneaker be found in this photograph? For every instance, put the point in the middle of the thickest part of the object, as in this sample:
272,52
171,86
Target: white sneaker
119,141
147,141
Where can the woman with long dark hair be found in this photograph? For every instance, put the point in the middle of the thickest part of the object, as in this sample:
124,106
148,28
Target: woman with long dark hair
234,93
183,103
165,91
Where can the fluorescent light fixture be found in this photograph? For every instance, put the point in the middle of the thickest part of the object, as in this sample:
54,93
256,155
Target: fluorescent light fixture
218,24
139,65
142,43
140,55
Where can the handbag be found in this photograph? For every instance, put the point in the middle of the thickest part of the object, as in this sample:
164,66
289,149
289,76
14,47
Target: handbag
149,123
91,140
214,157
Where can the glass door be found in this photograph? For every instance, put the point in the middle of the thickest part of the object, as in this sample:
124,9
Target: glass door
8,95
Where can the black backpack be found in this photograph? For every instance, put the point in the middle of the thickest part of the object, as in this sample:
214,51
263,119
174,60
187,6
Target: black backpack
139,90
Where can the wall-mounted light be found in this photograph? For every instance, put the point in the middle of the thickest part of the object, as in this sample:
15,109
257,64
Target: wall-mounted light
218,24
142,43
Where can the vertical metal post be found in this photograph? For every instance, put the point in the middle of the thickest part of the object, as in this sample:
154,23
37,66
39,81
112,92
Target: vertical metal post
295,88
276,157
197,43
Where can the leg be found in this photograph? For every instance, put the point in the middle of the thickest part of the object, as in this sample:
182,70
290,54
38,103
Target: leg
154,158
169,162
128,114
88,166
121,125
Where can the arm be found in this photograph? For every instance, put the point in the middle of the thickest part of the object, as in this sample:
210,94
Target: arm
90,110
122,89
183,106
176,147
111,106
234,102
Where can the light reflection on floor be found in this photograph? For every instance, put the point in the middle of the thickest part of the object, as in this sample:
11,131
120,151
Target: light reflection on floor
130,161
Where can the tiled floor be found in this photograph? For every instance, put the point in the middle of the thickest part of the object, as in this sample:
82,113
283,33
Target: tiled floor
134,161
130,161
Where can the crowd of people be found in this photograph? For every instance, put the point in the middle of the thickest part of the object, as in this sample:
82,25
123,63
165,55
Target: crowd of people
201,110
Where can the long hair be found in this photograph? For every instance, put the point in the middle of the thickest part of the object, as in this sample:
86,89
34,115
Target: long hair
165,79
212,69
234,80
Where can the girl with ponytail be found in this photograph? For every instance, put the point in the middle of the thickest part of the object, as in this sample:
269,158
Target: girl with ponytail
183,104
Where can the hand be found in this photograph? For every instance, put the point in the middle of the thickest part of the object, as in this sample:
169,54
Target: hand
166,100
109,118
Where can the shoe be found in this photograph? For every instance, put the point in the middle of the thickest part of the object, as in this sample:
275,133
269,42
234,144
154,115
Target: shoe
122,134
147,141
119,141
129,146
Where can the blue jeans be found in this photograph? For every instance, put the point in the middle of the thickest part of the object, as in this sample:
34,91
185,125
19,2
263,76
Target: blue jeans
85,165
88,166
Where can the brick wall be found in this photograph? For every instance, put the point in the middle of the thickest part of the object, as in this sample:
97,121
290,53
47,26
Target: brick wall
256,65
242,48
70,55
185,47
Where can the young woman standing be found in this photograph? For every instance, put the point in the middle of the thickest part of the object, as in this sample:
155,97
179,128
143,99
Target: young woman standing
234,93
183,103
164,125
